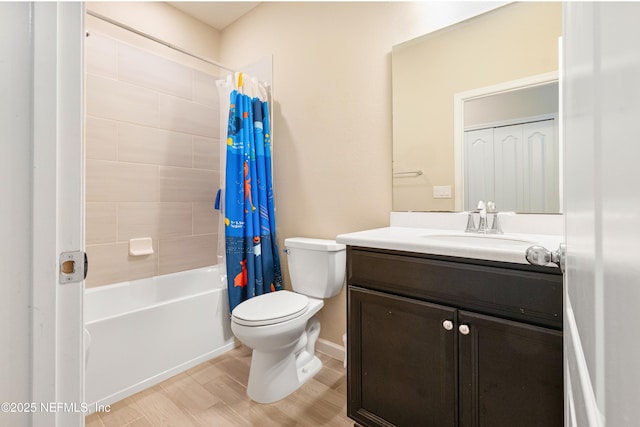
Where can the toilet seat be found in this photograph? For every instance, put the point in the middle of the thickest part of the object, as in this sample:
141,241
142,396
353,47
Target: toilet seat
271,308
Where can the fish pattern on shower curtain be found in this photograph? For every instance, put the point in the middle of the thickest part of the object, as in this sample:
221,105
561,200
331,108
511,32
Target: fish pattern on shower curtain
253,264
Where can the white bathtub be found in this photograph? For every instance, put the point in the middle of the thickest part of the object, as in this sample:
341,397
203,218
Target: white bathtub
145,331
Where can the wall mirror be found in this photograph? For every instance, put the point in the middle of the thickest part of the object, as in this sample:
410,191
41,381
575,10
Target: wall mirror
475,113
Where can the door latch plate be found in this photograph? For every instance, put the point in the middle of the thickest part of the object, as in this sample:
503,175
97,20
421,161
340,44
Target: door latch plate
73,267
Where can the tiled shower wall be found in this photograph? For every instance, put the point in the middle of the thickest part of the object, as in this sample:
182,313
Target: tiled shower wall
152,162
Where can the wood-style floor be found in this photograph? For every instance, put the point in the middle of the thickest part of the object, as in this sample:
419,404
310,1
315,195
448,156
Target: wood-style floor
213,394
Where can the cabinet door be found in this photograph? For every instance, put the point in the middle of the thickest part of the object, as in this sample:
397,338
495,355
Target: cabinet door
401,361
510,373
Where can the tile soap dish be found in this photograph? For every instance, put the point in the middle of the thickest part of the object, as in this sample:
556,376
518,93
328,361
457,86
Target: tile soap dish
141,246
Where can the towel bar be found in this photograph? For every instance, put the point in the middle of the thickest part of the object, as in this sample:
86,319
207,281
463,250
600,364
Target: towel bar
408,173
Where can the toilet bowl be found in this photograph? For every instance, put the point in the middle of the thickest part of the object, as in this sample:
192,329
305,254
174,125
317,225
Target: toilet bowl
279,365
281,326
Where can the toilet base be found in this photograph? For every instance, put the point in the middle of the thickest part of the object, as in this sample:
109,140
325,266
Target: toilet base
274,375
283,358
309,370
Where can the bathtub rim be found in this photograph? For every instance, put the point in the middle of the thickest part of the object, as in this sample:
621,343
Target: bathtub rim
219,286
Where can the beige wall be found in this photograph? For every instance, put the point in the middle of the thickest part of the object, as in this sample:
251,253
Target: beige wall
152,162
332,112
331,127
518,40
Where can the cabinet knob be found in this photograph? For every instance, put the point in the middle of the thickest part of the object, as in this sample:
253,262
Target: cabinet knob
464,329
448,325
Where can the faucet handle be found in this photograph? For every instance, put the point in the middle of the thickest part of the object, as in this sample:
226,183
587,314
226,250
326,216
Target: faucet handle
495,225
481,206
471,225
483,227
491,207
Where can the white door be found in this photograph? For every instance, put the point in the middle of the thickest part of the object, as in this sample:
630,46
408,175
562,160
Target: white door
57,212
602,204
540,167
41,370
509,168
516,166
15,225
526,159
478,164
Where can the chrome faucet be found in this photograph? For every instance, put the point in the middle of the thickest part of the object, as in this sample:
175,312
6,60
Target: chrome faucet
483,227
482,224
471,226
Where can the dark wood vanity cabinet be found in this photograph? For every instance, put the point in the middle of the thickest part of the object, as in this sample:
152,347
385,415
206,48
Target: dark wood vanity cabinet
440,341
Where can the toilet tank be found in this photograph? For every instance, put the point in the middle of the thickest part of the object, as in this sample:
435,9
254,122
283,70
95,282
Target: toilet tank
316,266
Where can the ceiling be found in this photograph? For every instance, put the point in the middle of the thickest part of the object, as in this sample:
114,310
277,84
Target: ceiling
215,13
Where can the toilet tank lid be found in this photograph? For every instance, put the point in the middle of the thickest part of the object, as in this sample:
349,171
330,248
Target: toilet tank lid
314,244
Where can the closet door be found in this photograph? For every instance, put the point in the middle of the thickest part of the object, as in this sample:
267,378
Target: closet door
509,171
540,167
526,167
479,167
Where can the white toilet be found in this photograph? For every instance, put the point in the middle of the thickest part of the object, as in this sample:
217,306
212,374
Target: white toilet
280,326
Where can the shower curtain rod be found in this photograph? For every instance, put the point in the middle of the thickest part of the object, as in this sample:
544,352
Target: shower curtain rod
157,40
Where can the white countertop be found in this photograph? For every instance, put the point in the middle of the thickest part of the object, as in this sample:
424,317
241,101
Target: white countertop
508,247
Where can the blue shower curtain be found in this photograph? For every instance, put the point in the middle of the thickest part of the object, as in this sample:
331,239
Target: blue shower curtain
253,264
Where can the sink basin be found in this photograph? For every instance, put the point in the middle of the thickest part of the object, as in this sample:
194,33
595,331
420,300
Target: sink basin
509,247
488,241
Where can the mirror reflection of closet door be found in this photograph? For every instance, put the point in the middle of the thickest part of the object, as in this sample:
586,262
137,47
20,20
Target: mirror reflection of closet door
509,170
479,167
541,180
526,167
515,166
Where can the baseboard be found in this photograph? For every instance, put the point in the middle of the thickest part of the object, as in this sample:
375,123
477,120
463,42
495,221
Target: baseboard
330,349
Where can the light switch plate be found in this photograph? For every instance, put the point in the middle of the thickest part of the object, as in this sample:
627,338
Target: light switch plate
441,191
